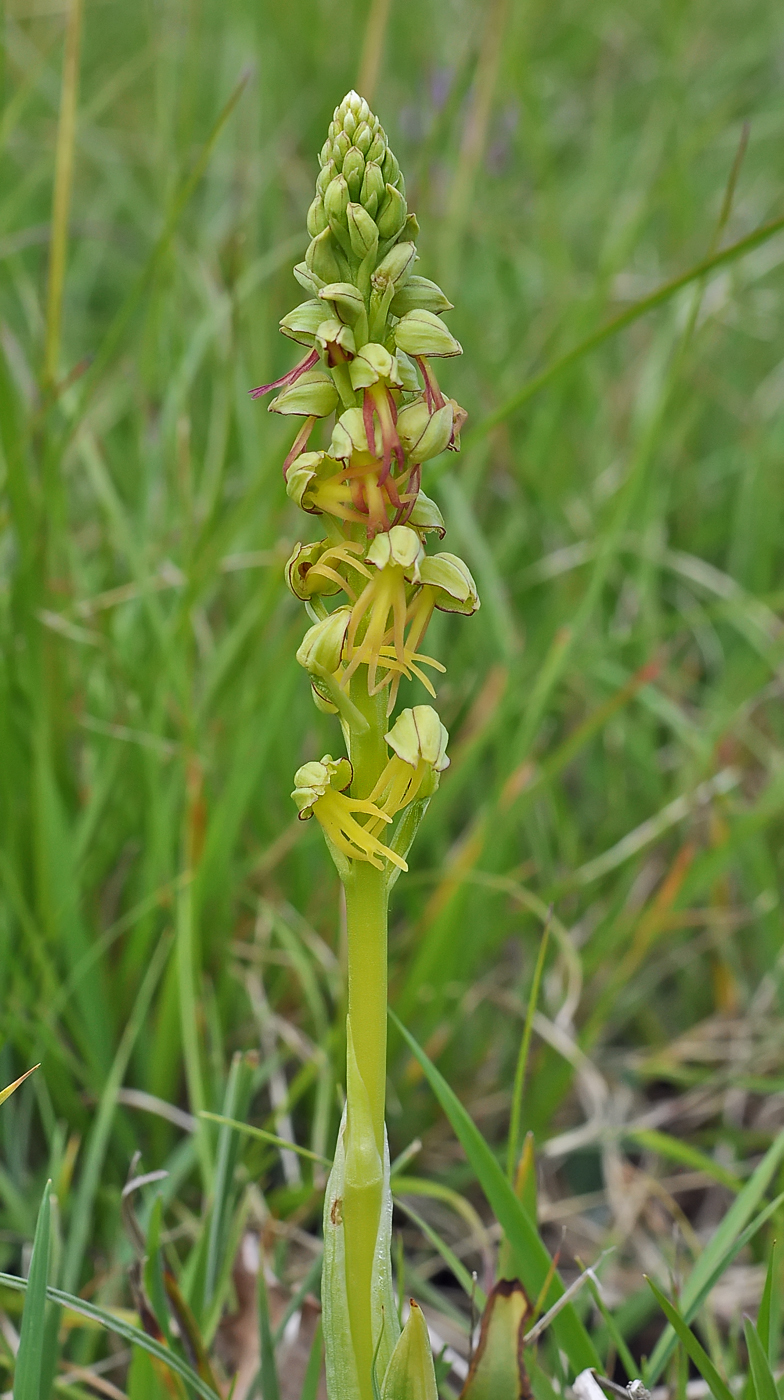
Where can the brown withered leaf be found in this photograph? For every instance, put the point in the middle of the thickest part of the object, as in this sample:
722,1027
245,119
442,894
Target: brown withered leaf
497,1371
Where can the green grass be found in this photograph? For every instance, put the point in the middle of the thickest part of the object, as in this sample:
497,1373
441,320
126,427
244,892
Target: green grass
160,908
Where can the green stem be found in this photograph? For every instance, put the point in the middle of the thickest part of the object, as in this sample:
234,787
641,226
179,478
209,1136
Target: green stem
366,916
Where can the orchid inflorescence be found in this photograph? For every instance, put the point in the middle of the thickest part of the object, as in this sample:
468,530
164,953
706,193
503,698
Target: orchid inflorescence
370,329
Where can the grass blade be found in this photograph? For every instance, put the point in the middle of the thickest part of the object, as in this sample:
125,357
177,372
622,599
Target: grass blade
29,1361
693,1347
310,1384
619,323
766,1307
134,1335
531,1258
761,1374
713,1258
268,1370
683,1152
264,1136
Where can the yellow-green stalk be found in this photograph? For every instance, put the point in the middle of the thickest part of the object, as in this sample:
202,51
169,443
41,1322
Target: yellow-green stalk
370,328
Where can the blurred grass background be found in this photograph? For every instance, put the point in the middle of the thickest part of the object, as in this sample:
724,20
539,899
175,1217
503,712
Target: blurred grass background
615,708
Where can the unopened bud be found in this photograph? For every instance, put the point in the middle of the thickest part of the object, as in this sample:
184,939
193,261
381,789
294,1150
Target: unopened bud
353,171
325,177
321,648
378,148
340,149
423,433
362,231
317,219
422,333
372,190
336,197
320,258
363,137
390,168
392,215
396,266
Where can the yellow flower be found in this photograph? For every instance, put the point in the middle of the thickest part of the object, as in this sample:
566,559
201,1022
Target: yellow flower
418,741
319,790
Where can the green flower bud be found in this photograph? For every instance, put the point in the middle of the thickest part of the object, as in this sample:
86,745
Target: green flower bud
373,188
362,231
349,123
456,588
422,333
336,197
325,175
353,171
409,379
425,516
378,148
411,228
363,137
396,267
390,168
400,546
321,648
424,434
333,332
392,214
347,301
373,363
317,219
410,1374
321,259
340,149
314,393
418,294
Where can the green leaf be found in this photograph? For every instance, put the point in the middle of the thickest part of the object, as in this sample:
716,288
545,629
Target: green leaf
310,1384
134,1335
532,1259
717,1254
761,1374
766,1307
29,1360
684,1153
264,1136
693,1347
268,1371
